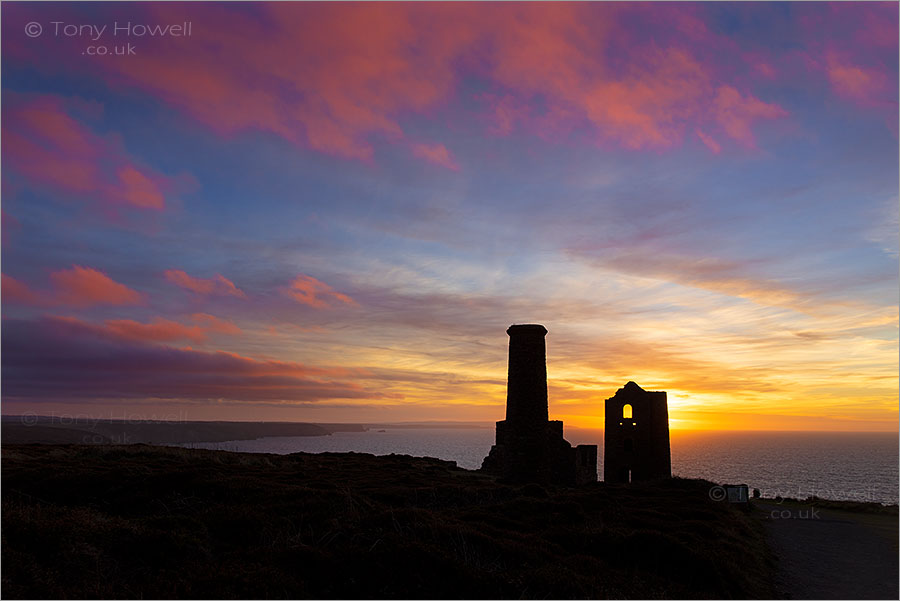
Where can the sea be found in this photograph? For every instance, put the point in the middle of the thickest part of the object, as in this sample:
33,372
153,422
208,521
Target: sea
852,466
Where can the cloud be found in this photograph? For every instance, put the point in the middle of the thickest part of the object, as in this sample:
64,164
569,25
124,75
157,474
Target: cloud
166,330
506,112
341,78
216,285
308,290
45,143
709,142
731,278
59,359
765,69
561,57
85,287
291,330
75,287
324,78
855,82
159,330
736,113
14,291
139,190
435,153
854,47
214,324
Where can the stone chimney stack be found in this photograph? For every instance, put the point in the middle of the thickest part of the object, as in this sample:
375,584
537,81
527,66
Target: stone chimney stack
526,390
529,447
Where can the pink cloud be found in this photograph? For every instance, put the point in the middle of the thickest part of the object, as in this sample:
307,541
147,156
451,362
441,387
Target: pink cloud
649,109
646,102
218,284
338,78
84,286
324,78
437,154
46,144
765,69
736,113
710,143
855,82
139,190
310,291
506,112
853,45
14,291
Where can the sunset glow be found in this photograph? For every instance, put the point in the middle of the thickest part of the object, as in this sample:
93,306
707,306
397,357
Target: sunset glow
331,212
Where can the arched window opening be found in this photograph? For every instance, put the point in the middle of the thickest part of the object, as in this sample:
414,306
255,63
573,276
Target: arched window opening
626,411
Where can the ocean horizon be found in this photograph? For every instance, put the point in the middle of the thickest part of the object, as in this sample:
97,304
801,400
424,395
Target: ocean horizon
847,466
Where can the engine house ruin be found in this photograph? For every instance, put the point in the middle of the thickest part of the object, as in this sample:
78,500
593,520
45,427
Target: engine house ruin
636,436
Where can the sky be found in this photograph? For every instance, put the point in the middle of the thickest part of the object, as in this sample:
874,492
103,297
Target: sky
333,211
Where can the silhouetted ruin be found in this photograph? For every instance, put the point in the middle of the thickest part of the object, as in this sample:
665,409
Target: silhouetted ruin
529,447
636,439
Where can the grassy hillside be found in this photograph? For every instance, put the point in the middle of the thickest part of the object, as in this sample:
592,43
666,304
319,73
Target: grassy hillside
139,521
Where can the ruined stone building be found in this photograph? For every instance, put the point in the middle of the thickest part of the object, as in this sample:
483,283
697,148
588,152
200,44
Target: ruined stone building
529,446
636,439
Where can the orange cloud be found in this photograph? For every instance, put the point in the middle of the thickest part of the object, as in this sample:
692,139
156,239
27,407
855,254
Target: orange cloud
217,284
84,286
47,145
214,324
78,287
437,154
310,291
166,330
160,330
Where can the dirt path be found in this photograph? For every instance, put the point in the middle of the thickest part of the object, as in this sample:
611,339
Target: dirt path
831,554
